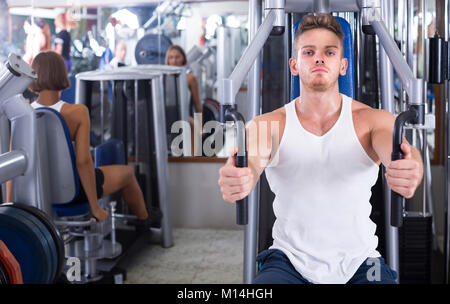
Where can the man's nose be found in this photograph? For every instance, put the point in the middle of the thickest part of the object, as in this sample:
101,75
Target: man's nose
319,58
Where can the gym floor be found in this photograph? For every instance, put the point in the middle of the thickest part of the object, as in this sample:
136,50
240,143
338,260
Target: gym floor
204,256
199,256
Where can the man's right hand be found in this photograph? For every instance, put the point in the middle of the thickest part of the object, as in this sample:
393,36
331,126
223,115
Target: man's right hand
235,183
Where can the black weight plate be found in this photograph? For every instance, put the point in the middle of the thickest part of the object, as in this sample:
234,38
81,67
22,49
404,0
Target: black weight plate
52,229
151,49
27,244
47,239
4,276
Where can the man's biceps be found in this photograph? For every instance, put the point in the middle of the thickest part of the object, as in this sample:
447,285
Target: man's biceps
382,140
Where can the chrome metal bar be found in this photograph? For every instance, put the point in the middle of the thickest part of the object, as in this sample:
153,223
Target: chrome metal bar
386,70
75,223
254,104
102,110
125,216
387,103
159,127
413,86
136,123
113,222
12,164
231,85
447,151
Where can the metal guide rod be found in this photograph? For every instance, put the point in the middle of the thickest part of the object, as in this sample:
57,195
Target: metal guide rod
413,86
102,109
253,99
12,164
447,146
231,85
159,129
387,103
446,16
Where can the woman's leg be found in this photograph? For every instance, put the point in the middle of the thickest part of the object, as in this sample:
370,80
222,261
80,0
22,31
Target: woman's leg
121,177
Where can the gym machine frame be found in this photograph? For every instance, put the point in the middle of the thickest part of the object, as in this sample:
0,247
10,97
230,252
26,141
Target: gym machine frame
274,22
159,128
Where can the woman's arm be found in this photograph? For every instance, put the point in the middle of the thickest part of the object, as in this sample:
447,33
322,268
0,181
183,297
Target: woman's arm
84,163
193,88
8,191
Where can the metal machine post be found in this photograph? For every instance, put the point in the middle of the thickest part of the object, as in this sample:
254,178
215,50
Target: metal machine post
447,153
229,87
387,102
253,109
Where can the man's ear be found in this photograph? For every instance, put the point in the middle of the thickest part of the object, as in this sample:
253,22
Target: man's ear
293,66
344,65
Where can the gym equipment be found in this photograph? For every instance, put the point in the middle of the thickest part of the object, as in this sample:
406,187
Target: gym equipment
198,63
10,272
27,232
33,241
45,182
140,120
152,49
371,16
415,238
230,86
230,113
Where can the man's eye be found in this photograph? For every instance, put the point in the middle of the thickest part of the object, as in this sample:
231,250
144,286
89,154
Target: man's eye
330,53
308,53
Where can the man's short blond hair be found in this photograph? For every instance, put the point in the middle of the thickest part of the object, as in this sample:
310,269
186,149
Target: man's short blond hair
325,21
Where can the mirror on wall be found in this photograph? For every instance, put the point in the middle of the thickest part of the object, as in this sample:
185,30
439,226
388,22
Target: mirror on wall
144,32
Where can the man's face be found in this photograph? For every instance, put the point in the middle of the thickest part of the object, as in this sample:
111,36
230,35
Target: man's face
319,60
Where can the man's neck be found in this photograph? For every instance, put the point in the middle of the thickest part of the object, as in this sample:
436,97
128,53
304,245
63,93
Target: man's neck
319,103
48,97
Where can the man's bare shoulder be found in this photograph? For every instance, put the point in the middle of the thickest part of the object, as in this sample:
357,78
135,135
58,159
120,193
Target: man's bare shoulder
278,115
369,114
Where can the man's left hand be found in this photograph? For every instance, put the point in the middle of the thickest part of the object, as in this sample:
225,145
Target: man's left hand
404,175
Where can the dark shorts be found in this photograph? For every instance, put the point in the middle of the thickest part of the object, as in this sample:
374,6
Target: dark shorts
99,180
275,268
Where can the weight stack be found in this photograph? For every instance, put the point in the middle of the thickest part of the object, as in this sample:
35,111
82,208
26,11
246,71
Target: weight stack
415,242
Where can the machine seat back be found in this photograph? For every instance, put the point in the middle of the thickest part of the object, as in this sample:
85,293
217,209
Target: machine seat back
62,172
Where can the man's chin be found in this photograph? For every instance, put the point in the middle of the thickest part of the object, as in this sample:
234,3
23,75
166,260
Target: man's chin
320,86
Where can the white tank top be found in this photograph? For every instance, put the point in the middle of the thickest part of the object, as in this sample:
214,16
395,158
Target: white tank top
322,187
57,106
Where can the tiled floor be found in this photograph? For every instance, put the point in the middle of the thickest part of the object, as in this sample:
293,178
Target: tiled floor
198,256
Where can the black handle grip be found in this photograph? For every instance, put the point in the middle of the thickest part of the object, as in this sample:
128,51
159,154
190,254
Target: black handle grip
242,205
396,209
397,201
414,115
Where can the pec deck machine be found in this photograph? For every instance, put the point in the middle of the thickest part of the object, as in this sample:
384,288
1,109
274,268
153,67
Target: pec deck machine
375,18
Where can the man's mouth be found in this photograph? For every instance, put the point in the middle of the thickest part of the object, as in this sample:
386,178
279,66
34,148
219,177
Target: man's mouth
320,71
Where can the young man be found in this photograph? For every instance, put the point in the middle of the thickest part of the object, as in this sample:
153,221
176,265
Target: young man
326,150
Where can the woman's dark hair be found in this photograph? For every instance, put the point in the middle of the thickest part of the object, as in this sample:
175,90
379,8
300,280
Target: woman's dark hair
52,72
179,49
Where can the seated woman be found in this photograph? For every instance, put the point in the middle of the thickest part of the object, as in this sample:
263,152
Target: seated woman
98,182
176,56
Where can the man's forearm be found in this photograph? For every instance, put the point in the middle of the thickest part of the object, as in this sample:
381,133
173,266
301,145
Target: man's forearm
418,157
